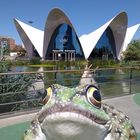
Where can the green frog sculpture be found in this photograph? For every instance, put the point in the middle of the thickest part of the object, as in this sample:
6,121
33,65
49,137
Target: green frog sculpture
78,114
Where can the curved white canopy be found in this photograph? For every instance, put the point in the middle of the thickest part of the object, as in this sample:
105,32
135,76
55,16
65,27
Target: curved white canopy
118,25
129,35
41,39
31,37
55,18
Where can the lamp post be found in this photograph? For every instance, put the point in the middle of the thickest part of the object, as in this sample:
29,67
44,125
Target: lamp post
3,45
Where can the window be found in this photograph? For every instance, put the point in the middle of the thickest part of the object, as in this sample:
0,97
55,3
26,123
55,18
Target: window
64,38
105,48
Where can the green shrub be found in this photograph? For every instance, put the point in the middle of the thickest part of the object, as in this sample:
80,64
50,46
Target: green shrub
35,60
132,52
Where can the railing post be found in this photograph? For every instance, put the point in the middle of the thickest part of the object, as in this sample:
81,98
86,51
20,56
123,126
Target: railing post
99,81
130,84
55,78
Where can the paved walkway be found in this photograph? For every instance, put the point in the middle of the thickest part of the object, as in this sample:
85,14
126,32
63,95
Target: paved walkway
16,119
125,103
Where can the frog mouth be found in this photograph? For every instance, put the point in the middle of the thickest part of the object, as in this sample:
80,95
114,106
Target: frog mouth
69,108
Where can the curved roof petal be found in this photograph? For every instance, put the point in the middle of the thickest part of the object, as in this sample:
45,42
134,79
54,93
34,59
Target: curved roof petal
129,35
118,25
30,37
55,18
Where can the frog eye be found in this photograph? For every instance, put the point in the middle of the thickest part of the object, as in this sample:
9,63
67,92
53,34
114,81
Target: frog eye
93,96
48,95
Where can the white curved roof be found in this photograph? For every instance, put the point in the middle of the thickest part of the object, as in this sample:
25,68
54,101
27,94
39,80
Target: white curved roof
118,25
129,35
30,37
55,18
40,40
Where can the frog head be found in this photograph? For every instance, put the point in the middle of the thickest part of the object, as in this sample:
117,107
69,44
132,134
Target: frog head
78,114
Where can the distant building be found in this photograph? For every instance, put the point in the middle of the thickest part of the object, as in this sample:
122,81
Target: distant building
7,42
13,53
9,47
60,41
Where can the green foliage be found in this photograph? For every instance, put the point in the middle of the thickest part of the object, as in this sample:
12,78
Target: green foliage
62,64
14,88
104,63
4,66
18,48
35,60
14,83
16,63
133,51
131,63
69,64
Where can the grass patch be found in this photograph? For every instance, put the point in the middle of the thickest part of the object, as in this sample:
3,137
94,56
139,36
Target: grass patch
41,65
138,136
137,98
14,132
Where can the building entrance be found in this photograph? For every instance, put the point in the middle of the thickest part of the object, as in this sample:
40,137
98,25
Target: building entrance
67,55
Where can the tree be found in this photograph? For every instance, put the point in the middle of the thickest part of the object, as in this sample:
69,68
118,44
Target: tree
20,51
18,48
133,51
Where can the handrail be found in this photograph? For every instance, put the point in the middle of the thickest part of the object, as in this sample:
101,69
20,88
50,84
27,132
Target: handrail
65,71
23,101
128,78
49,71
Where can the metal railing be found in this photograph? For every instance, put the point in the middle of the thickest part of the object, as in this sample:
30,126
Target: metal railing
24,90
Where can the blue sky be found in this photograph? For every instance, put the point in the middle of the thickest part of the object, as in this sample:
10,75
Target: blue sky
85,15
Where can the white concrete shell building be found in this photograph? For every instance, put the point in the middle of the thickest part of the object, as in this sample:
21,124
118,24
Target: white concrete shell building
118,26
32,38
129,35
59,36
55,19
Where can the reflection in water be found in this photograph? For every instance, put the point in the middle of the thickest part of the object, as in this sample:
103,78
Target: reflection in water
38,84
114,82
67,79
87,77
125,86
19,69
37,88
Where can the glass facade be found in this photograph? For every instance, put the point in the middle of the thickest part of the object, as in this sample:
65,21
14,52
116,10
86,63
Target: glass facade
105,48
63,40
